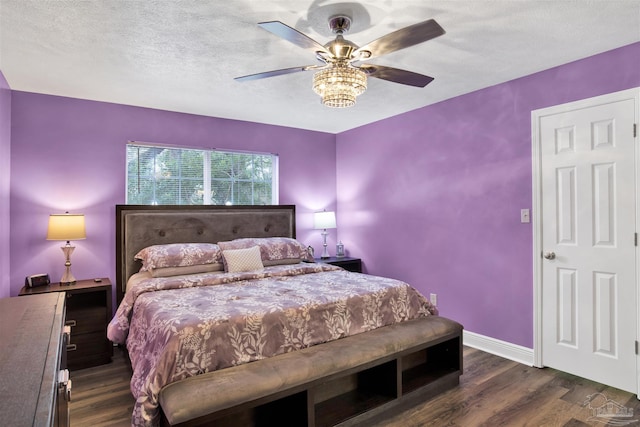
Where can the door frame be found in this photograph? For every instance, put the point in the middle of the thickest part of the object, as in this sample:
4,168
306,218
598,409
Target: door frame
536,116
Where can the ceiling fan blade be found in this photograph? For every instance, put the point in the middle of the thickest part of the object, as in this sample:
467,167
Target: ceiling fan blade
396,75
405,37
280,72
294,36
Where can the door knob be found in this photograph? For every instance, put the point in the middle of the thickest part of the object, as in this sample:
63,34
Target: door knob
549,255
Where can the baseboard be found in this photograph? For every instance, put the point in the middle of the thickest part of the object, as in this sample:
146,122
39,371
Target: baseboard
510,351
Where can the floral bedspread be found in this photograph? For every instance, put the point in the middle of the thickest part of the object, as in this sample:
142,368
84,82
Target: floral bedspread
177,327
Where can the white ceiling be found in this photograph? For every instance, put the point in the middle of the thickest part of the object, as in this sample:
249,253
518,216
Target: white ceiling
183,55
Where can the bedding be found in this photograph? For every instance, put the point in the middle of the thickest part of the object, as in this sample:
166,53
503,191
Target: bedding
180,326
273,250
187,269
179,255
238,260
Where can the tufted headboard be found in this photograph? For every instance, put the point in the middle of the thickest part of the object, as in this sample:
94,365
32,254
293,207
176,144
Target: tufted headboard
139,226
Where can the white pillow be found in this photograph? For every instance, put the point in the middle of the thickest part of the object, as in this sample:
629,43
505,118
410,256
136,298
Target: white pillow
237,260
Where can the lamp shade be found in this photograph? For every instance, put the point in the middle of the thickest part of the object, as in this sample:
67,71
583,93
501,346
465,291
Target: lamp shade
323,220
66,227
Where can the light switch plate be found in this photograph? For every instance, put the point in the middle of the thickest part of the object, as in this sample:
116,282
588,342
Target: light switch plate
524,216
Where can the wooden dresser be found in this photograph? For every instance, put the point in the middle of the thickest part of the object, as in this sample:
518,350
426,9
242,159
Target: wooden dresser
34,386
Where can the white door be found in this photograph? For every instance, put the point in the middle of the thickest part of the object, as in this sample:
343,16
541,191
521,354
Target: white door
587,229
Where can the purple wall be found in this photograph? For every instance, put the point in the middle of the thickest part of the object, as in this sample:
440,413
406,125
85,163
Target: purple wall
69,154
433,196
5,163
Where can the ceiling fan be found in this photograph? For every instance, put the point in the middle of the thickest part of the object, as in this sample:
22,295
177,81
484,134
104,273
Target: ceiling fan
341,76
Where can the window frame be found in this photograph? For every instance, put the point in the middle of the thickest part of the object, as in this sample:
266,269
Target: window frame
206,179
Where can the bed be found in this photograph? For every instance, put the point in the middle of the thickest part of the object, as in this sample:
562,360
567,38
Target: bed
229,302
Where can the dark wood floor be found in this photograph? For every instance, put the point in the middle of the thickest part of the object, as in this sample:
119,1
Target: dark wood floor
492,392
100,396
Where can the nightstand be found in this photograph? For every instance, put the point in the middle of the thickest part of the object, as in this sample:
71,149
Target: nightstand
350,264
88,313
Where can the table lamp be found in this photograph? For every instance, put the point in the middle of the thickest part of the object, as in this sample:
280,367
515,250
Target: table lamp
66,227
324,220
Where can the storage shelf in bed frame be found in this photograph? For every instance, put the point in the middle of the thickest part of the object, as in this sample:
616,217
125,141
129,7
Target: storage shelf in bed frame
353,397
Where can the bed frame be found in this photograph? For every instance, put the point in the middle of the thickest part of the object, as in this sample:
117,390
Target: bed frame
344,382
139,226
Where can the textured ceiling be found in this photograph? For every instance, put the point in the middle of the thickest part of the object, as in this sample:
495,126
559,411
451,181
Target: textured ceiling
183,55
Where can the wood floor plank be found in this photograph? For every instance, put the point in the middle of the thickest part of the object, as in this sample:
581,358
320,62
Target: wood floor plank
492,399
527,406
493,392
101,395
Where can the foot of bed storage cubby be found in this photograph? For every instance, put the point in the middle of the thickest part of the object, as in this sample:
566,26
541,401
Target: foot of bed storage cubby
290,411
377,389
355,394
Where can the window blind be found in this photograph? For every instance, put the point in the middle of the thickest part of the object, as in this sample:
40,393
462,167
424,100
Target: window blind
167,175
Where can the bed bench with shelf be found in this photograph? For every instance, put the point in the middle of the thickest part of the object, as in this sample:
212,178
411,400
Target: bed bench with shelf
343,382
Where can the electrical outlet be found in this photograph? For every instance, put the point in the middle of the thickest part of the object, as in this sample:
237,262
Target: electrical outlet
434,299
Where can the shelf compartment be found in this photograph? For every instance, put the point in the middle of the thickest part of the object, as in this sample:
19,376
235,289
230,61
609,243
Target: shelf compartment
78,299
347,397
430,364
289,410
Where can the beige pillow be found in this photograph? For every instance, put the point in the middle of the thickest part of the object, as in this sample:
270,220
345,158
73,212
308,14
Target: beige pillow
237,260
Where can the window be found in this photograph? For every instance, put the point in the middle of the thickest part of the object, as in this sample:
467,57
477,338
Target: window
158,175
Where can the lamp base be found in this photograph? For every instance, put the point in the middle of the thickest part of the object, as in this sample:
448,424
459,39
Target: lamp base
67,277
325,251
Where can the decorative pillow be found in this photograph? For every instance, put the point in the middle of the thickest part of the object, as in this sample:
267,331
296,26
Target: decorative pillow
188,269
179,255
273,250
237,260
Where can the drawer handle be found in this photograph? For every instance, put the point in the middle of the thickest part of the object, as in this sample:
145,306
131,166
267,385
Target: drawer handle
70,323
64,383
68,391
72,347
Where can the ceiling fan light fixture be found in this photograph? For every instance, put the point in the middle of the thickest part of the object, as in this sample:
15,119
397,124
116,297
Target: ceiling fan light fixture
338,82
339,85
